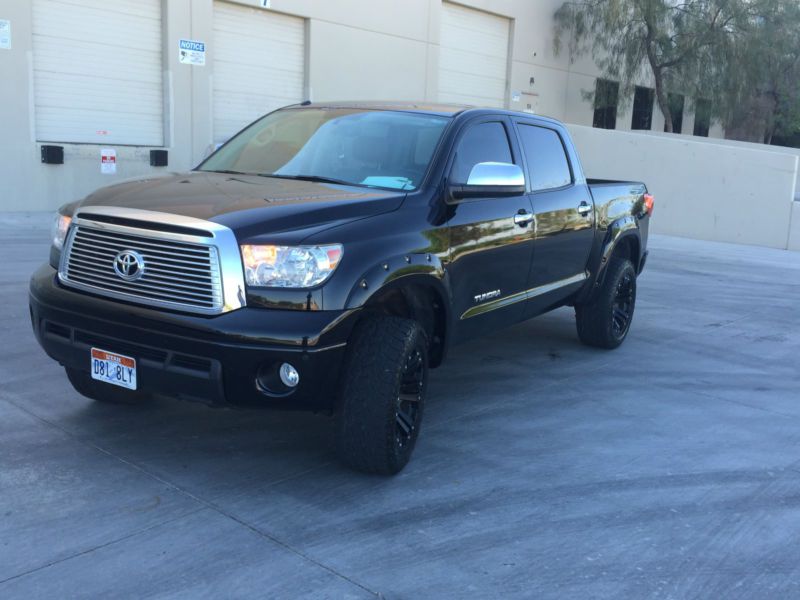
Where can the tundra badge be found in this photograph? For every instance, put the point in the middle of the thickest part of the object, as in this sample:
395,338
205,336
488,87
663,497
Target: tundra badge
486,296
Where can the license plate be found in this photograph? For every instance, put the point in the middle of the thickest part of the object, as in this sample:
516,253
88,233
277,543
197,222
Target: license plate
112,368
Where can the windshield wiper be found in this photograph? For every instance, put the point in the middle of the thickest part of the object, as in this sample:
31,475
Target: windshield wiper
227,172
315,178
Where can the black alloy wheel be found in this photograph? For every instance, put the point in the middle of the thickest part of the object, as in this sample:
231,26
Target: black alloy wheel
604,321
622,308
382,394
408,411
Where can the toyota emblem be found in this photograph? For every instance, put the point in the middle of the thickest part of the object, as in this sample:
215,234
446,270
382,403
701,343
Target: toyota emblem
129,265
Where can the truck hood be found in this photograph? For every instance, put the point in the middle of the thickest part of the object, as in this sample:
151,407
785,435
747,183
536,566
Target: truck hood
250,205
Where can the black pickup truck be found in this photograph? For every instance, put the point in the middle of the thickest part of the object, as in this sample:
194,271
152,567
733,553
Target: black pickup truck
327,256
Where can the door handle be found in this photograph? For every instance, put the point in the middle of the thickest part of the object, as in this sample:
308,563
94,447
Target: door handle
523,217
584,208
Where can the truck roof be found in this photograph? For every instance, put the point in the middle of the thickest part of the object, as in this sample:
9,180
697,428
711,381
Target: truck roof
408,106
442,109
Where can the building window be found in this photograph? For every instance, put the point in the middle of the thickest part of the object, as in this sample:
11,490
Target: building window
702,117
606,95
791,141
676,102
642,108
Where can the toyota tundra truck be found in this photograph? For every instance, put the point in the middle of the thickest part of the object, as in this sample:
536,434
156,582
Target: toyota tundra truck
328,256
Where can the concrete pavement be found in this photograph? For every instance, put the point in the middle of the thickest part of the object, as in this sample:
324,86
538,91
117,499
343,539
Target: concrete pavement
669,468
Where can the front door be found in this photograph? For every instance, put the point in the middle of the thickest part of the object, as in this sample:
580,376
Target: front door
490,250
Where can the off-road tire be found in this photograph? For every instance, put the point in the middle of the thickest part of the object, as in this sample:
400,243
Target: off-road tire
385,366
599,322
103,392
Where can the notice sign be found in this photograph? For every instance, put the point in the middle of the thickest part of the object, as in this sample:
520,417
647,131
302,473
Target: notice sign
5,34
108,161
192,53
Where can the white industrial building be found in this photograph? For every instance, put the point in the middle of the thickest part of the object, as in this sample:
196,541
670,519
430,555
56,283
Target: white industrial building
119,78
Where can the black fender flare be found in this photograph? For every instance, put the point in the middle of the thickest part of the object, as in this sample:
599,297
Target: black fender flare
622,229
401,271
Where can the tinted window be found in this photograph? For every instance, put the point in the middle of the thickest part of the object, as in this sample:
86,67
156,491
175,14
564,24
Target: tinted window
642,108
702,117
486,142
544,153
676,102
606,97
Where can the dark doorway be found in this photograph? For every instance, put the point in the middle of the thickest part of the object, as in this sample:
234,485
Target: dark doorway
702,117
606,97
642,108
676,102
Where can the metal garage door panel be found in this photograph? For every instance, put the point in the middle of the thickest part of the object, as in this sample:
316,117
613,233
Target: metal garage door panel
473,56
97,71
259,65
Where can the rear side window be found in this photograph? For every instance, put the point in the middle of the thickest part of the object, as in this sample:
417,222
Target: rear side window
545,156
485,142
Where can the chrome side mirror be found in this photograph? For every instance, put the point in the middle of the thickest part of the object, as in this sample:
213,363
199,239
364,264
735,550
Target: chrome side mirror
491,180
496,174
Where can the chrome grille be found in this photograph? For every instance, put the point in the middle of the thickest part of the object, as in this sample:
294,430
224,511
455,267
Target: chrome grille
176,274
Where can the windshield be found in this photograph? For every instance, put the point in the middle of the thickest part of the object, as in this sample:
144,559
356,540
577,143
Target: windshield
383,149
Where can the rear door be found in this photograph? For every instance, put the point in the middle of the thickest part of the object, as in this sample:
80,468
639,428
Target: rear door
564,212
490,254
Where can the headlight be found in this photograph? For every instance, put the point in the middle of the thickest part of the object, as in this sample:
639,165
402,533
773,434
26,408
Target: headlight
290,266
59,230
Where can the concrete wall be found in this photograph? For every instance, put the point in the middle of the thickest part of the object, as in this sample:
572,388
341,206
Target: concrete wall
778,149
794,228
356,49
703,189
747,145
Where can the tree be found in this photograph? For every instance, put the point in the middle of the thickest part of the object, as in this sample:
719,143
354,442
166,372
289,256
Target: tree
754,81
630,38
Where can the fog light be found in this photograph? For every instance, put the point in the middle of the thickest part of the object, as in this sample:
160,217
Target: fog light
289,375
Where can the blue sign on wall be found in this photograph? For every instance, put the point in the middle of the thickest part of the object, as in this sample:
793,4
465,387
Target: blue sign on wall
192,52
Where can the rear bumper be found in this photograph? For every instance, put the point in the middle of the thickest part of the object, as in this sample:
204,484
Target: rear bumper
208,359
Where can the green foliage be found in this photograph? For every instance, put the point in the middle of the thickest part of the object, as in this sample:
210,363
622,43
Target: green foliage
754,81
743,55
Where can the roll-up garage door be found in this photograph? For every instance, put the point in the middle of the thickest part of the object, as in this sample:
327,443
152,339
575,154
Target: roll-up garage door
259,64
97,71
473,56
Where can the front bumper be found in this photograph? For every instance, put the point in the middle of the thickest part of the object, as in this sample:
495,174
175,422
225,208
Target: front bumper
208,359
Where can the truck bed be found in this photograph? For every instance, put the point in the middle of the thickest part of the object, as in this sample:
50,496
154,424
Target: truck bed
599,182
